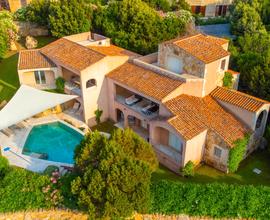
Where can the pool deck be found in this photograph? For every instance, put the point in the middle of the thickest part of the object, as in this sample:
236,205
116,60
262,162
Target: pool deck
17,140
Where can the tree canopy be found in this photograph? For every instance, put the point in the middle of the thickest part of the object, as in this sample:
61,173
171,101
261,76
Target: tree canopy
134,25
8,31
114,176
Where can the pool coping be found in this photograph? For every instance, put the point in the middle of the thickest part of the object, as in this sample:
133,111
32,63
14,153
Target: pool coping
17,158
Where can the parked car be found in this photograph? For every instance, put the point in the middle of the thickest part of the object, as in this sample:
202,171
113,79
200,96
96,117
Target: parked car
150,109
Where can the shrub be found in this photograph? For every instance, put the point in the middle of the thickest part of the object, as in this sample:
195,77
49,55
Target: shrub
214,200
228,80
60,84
50,169
98,114
237,153
4,166
189,169
112,183
22,190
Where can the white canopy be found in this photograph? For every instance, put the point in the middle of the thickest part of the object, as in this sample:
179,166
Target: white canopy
28,102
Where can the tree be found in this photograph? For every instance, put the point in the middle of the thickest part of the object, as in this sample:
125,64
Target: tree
8,31
252,60
68,17
112,182
37,11
136,147
134,25
246,18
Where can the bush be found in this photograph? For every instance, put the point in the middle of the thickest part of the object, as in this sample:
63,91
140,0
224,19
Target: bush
189,169
22,190
98,114
112,182
4,166
228,80
236,154
50,169
60,84
214,200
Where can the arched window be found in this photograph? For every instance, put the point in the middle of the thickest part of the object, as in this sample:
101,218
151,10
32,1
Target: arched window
90,83
260,119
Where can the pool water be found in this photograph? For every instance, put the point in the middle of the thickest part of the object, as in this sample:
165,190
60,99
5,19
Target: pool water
55,140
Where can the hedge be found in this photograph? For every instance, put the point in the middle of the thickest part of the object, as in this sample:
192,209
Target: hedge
213,200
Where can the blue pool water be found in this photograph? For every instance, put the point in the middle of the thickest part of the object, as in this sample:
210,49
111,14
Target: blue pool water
55,140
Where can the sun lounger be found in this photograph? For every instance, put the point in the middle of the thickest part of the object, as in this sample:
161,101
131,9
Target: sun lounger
132,100
8,132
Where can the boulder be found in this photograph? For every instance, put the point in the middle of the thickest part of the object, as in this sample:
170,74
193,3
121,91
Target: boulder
30,42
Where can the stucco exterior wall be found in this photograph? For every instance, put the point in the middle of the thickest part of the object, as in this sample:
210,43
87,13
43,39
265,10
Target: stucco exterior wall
14,5
27,77
96,97
209,157
194,149
191,65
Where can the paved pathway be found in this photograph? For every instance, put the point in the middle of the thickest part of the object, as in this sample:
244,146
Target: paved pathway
219,30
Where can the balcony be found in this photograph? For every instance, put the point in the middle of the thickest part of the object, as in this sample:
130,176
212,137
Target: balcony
73,88
144,107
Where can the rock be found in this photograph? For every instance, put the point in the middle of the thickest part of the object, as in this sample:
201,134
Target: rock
30,42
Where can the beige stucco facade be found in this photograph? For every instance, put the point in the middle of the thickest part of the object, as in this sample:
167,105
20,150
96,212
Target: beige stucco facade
14,5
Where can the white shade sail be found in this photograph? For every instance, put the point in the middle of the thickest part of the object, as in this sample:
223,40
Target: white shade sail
28,102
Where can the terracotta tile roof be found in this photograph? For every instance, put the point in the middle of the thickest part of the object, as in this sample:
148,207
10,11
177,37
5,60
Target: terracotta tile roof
71,54
239,99
205,48
33,59
232,72
144,81
193,115
113,50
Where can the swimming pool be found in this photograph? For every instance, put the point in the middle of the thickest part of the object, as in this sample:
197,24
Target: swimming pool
55,140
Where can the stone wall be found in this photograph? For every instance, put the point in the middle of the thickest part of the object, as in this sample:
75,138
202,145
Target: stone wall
213,139
32,29
191,65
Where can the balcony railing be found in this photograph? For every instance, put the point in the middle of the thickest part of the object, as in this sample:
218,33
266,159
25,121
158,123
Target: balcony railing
138,107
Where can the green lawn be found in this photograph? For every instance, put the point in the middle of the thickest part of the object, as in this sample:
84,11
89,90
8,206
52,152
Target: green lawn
9,81
245,175
107,126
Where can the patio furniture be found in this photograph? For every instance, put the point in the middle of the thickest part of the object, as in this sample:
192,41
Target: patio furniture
8,132
132,100
75,107
148,110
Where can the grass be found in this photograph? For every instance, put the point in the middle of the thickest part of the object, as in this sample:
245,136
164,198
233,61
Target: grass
107,126
9,81
245,175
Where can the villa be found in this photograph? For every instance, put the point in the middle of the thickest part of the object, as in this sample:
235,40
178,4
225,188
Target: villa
210,8
172,98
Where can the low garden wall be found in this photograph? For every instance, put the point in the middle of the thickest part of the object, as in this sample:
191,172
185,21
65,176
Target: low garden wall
32,29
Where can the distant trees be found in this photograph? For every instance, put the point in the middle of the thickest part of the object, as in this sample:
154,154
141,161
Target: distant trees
134,25
8,31
114,174
68,17
250,52
63,17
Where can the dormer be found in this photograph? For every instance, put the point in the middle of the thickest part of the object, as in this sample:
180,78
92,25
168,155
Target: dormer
199,55
89,39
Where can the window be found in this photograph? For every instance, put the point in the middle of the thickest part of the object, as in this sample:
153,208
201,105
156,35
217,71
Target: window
91,83
175,142
197,9
223,64
40,77
217,152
